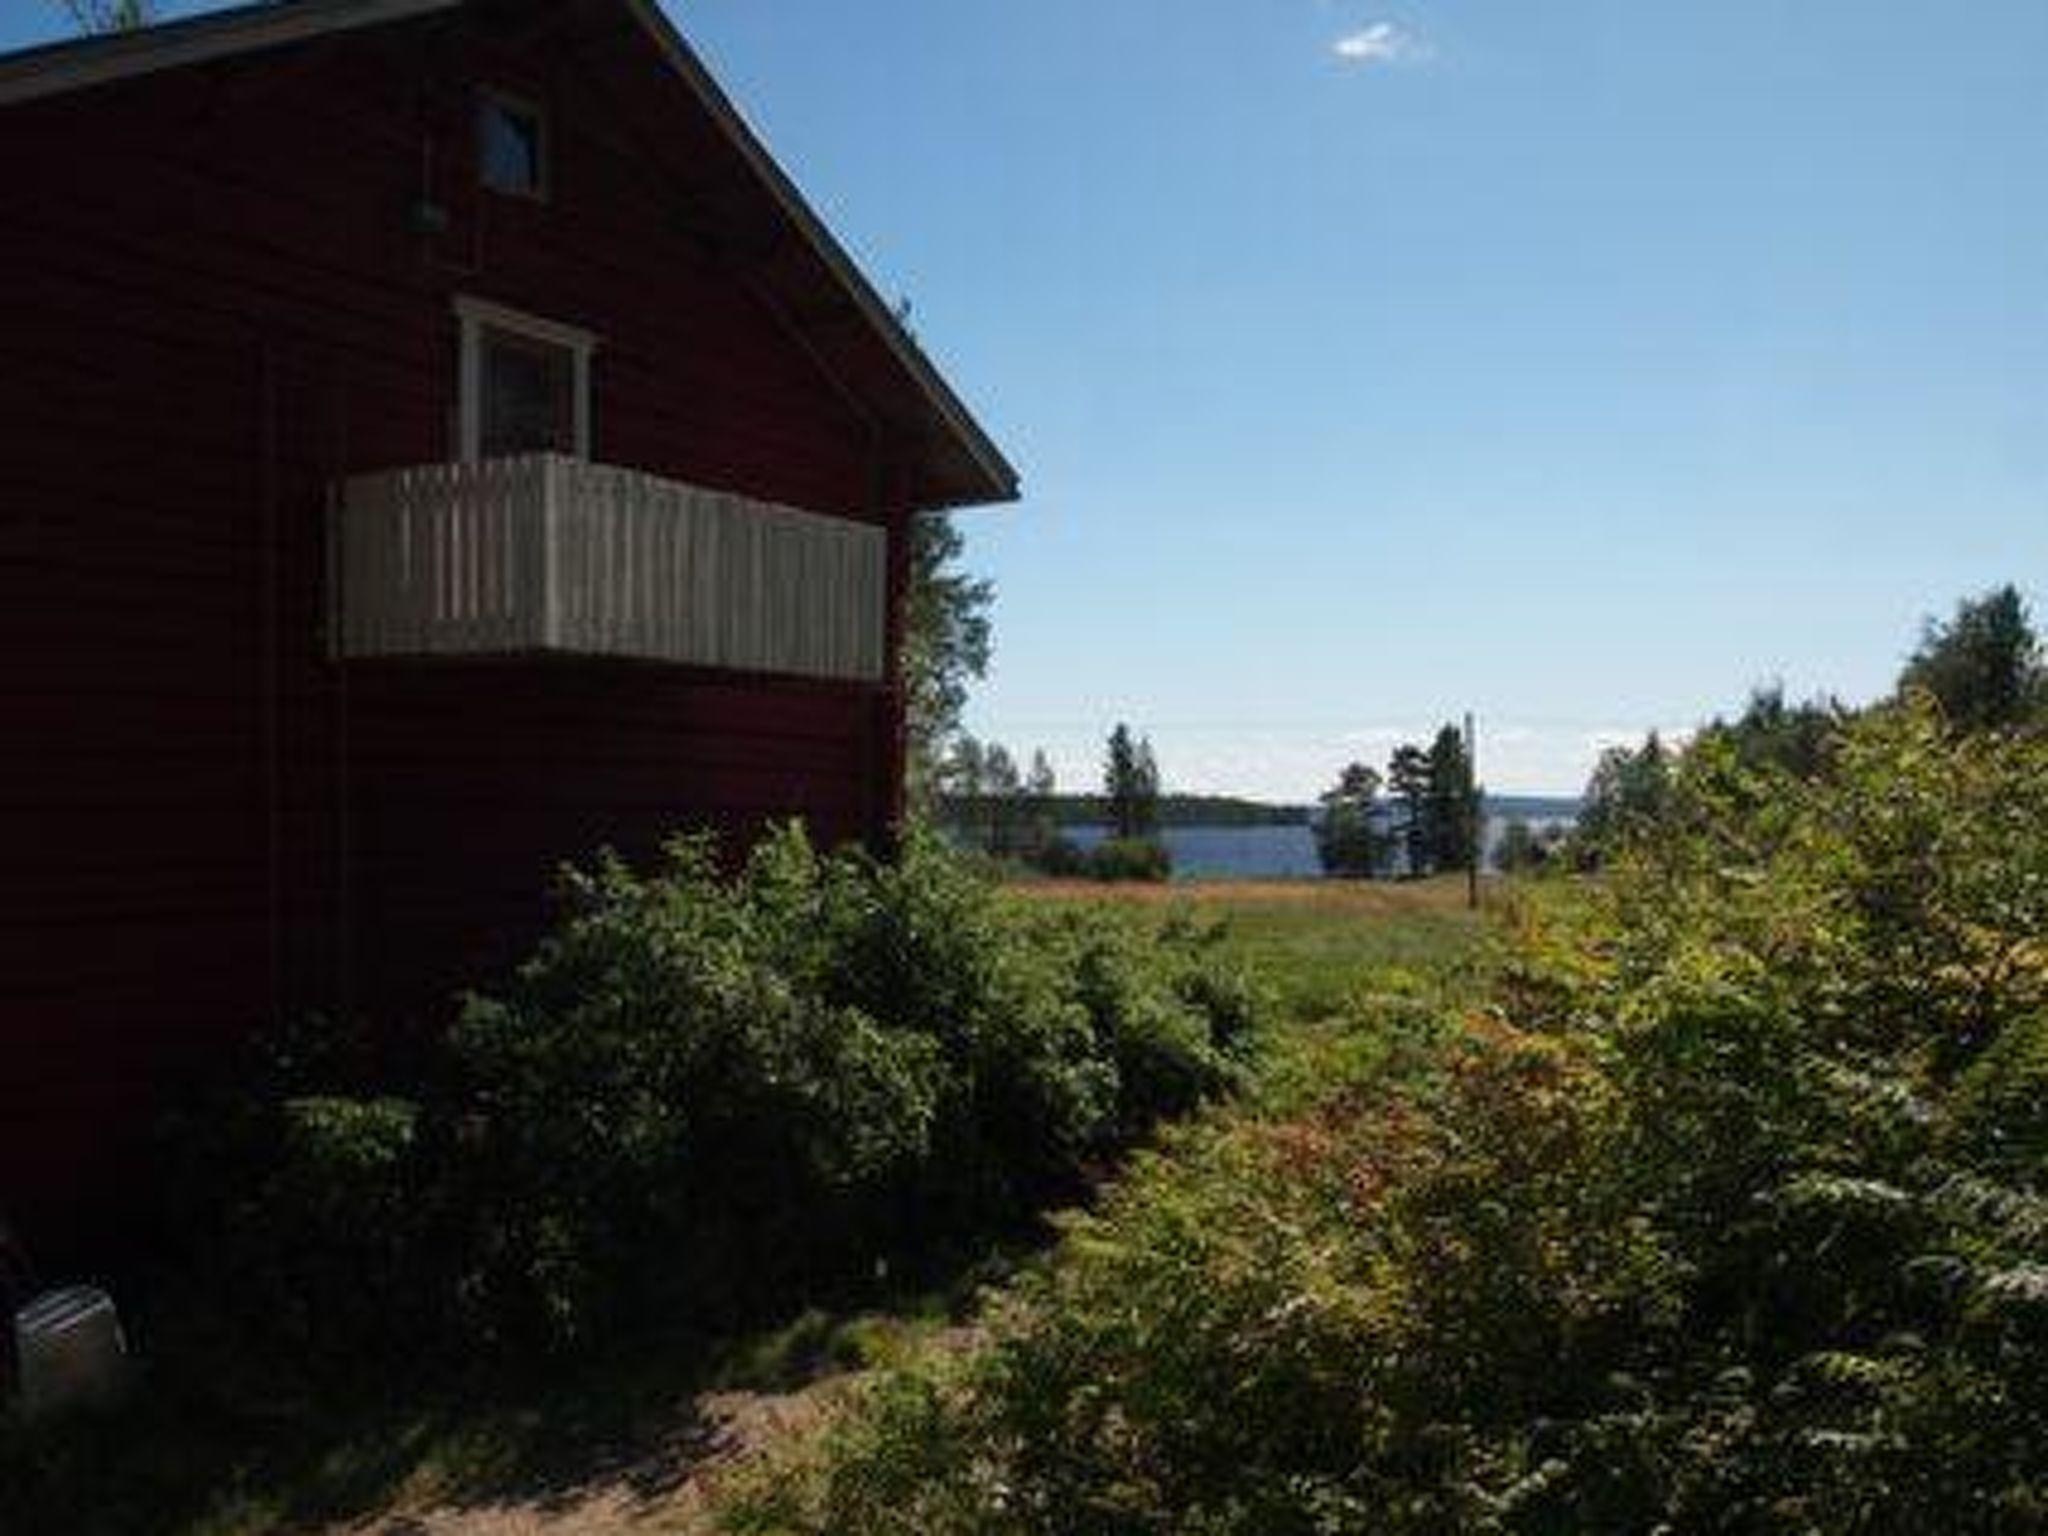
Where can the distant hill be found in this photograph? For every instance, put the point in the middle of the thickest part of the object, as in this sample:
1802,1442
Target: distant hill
1533,807
1174,811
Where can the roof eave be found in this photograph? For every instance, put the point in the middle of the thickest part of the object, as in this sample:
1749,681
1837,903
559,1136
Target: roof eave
999,474
80,63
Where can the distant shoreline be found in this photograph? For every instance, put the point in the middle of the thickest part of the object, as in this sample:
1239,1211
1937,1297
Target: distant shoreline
1235,811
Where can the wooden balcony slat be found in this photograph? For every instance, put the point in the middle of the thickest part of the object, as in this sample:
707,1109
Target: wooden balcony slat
545,553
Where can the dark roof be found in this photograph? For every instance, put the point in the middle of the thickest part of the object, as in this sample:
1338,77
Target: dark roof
984,475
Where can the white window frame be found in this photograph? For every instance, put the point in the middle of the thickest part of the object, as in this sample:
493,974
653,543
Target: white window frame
478,315
490,97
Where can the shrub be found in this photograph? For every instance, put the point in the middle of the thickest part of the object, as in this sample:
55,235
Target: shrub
654,1086
1130,858
1729,1217
1998,1115
706,1095
304,1210
1061,857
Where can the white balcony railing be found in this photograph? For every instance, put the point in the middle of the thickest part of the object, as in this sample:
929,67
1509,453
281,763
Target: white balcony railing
545,553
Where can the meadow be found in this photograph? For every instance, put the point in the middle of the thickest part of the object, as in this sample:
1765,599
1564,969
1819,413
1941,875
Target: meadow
1324,948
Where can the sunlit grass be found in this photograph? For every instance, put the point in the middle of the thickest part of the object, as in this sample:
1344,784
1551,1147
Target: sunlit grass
1327,947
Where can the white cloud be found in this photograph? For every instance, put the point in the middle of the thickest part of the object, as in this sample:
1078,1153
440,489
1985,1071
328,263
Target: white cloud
1383,42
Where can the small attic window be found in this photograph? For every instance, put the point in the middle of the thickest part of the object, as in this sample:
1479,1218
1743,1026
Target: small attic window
512,146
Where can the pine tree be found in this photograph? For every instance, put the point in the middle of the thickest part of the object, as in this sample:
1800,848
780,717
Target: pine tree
1130,781
1349,840
1147,811
1408,777
1453,802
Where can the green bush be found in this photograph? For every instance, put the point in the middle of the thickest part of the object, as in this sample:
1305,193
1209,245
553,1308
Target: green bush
1060,857
1130,858
706,1095
298,1208
1998,1115
1731,1215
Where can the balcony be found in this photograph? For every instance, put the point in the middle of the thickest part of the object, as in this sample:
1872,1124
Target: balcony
547,554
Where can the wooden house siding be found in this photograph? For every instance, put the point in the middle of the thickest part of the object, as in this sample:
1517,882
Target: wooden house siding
216,312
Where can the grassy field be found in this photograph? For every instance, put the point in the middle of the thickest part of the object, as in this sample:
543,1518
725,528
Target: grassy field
1324,946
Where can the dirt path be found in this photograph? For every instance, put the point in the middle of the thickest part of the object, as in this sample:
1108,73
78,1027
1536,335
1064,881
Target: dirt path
664,1487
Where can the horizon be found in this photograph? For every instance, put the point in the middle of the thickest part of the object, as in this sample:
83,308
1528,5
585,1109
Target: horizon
1367,364
1167,792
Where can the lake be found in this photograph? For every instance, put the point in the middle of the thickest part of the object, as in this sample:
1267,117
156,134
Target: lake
1262,853
1229,853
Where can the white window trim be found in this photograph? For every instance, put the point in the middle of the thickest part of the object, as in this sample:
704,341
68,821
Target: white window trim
475,315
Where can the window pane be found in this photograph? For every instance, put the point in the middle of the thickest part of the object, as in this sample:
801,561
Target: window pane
509,151
529,402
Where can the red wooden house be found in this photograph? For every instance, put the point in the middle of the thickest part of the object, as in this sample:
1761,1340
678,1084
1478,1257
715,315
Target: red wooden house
438,441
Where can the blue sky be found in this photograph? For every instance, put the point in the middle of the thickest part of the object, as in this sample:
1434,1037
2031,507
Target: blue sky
1578,364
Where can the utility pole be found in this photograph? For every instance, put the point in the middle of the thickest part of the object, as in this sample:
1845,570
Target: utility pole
1475,822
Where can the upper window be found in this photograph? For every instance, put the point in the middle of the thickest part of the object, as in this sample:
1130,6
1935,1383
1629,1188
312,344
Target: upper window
512,146
525,383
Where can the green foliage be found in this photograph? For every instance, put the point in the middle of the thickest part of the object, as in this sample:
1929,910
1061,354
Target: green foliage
1452,805
1728,1215
299,1198
1408,781
674,1095
990,805
1349,840
947,643
1770,734
1060,857
1129,858
1625,801
1433,820
1525,849
705,1095
1984,666
1130,782
2000,1107
93,16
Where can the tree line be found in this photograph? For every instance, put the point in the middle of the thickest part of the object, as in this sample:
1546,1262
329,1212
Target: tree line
1983,667
1015,815
1422,816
